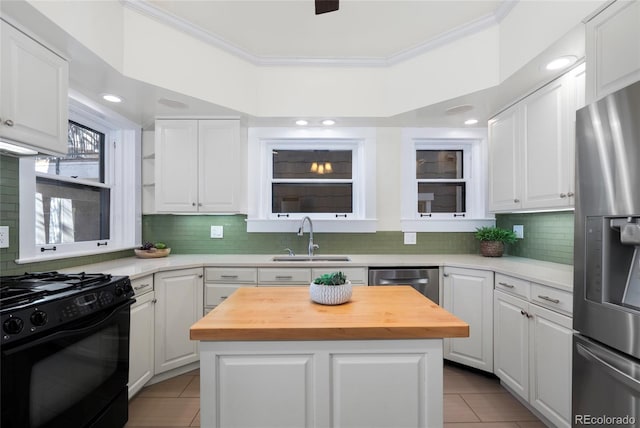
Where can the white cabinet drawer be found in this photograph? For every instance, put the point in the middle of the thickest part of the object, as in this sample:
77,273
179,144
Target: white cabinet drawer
512,285
279,276
552,298
231,275
214,294
357,276
142,285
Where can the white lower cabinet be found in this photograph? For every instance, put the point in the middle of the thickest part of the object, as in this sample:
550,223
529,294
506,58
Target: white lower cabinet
533,355
345,383
179,305
468,294
141,350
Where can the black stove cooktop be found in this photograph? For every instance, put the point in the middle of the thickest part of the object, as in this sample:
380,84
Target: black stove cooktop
34,303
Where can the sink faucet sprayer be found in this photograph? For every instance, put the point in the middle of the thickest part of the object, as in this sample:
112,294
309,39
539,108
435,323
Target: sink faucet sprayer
312,246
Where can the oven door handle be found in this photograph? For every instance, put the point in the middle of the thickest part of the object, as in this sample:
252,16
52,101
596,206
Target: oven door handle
608,366
64,333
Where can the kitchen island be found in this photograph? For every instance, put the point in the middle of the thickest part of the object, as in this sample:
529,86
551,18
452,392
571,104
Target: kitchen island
269,357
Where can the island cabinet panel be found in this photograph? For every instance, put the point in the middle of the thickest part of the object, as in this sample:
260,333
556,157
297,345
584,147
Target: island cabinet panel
356,383
179,305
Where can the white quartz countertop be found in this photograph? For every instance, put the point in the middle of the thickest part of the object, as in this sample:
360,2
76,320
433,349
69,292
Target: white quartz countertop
552,274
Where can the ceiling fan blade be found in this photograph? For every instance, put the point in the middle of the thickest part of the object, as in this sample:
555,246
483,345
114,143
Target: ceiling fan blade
324,6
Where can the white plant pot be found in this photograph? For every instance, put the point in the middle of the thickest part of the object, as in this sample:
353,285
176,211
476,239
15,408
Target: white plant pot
330,294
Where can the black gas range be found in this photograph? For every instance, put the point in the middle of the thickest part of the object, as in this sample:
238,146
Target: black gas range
65,350
34,303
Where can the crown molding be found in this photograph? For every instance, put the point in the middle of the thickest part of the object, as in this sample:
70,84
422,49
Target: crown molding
146,8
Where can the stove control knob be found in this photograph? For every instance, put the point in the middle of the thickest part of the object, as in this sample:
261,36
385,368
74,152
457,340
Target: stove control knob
119,291
39,318
13,325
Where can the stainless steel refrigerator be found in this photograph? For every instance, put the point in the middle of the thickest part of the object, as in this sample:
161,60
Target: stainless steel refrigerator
606,347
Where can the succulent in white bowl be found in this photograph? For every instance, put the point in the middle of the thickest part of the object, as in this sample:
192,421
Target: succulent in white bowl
331,289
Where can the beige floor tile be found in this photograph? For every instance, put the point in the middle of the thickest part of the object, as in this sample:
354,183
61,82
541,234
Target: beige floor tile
458,382
162,412
169,388
498,407
532,424
481,425
196,421
193,388
456,410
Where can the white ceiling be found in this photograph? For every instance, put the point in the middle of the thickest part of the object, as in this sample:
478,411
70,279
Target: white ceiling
371,29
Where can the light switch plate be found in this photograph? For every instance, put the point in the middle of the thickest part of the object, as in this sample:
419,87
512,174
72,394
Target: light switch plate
4,236
217,232
518,229
410,238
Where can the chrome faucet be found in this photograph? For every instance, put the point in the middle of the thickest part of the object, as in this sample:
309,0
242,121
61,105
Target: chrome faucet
312,246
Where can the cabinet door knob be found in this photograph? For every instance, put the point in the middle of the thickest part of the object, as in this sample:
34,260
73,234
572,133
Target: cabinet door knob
199,204
446,275
563,195
570,194
516,200
154,301
193,204
8,122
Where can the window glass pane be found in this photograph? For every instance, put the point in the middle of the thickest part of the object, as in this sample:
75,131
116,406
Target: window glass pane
434,164
312,198
316,164
67,212
84,159
441,197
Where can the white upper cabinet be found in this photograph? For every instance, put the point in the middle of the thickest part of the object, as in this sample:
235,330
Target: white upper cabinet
613,49
531,148
33,93
198,166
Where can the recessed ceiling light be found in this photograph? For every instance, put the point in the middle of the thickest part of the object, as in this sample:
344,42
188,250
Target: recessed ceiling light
471,121
561,62
301,122
111,98
328,122
459,109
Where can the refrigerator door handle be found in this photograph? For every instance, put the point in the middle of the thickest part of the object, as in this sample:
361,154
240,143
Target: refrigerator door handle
609,366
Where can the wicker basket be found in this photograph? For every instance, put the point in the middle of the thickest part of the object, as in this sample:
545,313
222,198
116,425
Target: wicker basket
491,248
330,294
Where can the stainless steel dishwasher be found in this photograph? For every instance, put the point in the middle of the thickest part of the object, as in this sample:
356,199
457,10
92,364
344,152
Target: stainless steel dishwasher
424,279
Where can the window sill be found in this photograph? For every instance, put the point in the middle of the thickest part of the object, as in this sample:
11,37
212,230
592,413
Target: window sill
319,226
445,225
68,255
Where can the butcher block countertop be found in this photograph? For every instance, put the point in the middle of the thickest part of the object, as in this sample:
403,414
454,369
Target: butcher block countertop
287,313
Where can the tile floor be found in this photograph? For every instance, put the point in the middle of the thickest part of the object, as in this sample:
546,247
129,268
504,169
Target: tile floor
471,400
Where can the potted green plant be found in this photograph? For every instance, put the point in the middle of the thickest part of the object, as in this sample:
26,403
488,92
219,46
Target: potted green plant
330,289
492,240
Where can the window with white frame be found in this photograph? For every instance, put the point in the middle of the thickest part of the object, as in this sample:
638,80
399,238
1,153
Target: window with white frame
86,202
444,180
329,176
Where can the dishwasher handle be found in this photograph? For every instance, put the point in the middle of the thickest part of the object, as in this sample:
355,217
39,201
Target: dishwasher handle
400,281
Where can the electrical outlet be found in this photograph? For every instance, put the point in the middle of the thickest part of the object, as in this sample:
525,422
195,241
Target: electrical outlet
518,229
410,238
217,232
4,236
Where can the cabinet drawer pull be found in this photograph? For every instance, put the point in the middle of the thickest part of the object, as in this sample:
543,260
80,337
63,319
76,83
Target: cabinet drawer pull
526,314
284,277
8,122
563,195
229,276
223,297
141,286
506,285
549,299
570,194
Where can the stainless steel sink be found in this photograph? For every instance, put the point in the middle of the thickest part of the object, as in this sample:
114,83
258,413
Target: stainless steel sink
311,259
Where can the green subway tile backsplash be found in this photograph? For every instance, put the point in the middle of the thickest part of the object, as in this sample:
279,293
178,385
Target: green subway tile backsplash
190,234
547,236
